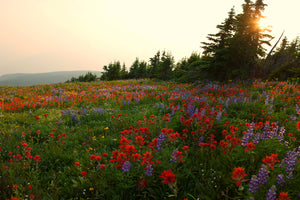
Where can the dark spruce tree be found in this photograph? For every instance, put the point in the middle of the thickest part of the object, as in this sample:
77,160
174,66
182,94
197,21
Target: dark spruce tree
237,49
192,69
218,49
285,62
112,71
88,77
138,70
249,40
154,65
124,73
161,66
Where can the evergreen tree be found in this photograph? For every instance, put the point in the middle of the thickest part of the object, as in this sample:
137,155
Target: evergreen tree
154,65
124,73
219,49
138,69
142,70
191,69
112,71
248,40
88,77
166,66
285,62
237,48
133,71
161,66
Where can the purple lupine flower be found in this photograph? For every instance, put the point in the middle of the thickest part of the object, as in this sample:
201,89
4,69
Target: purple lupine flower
161,105
250,130
293,118
219,115
263,175
227,102
256,138
74,117
173,157
273,133
126,166
290,160
203,112
178,107
266,127
98,110
297,109
196,110
172,112
149,170
83,111
137,100
280,136
245,140
246,137
212,111
280,179
160,140
203,99
271,100
201,139
264,135
267,134
190,109
124,102
267,100
253,184
271,194
251,198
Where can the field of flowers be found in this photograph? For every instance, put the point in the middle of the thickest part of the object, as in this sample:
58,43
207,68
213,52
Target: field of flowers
141,139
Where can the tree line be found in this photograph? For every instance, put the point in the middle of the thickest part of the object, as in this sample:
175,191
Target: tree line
236,52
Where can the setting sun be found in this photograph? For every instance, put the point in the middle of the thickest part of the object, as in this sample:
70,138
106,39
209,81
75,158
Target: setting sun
264,23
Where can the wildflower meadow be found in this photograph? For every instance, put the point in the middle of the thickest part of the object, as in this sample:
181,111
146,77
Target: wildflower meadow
146,139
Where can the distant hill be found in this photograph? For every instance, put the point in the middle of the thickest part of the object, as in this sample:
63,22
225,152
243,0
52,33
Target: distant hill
27,79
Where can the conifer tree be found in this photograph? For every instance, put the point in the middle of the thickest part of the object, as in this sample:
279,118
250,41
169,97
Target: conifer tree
112,71
248,40
219,49
237,48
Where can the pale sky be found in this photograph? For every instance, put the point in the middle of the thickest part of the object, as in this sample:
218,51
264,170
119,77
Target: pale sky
61,35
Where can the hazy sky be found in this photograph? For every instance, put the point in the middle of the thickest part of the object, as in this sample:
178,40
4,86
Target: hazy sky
59,35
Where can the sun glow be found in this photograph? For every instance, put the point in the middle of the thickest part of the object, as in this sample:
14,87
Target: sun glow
264,24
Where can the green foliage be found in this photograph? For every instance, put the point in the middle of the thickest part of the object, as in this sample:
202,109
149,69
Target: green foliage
88,77
285,62
114,71
161,66
192,69
138,70
238,46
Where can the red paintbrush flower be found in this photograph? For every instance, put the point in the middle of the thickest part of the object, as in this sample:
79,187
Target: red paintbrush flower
238,175
168,177
283,196
271,160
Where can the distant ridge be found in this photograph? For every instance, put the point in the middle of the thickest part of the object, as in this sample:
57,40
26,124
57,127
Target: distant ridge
27,79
